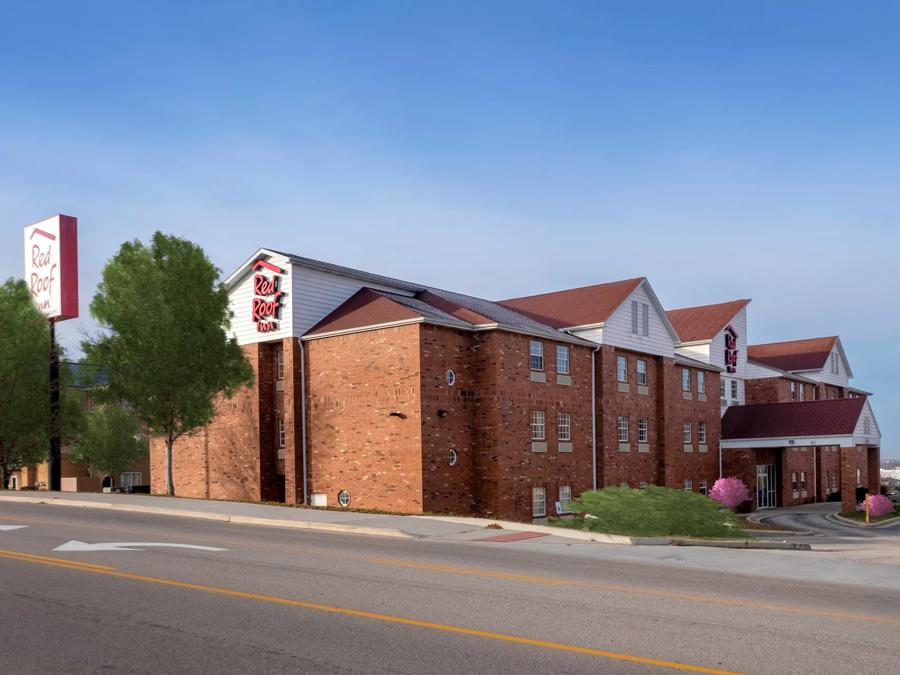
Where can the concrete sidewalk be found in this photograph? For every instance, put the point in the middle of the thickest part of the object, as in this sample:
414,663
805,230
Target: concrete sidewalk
325,520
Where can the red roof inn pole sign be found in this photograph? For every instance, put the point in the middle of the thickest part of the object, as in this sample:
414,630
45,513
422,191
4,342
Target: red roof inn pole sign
266,308
731,350
51,266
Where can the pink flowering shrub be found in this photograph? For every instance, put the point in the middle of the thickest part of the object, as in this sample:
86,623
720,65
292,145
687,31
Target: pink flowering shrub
879,505
730,492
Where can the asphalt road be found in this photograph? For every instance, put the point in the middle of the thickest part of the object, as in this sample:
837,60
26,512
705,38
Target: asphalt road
299,601
811,518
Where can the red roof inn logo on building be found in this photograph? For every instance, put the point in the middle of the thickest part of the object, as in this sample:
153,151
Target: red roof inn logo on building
51,266
266,309
731,350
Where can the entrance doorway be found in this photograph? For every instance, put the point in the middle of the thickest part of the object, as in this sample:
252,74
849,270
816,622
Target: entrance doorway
766,486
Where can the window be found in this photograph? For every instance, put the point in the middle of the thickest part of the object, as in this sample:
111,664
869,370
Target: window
734,389
701,382
565,496
449,377
537,425
686,433
641,372
701,433
129,479
722,384
645,315
643,433
280,432
344,498
802,392
538,502
793,390
795,484
562,360
622,368
867,429
279,364
685,379
564,426
635,319
642,485
452,457
537,355
803,481
688,485
703,489
835,368
623,429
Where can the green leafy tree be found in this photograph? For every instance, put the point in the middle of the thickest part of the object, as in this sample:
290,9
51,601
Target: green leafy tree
165,350
110,442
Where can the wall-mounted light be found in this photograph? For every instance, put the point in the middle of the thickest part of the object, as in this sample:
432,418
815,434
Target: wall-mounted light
442,413
397,414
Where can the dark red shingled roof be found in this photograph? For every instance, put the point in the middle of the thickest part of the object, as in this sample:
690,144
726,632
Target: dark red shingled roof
810,354
704,323
364,308
575,306
829,417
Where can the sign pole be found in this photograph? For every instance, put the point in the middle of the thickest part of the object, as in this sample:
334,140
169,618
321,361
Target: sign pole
54,464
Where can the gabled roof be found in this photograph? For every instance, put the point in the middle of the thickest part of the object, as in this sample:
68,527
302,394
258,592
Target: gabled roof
583,306
696,324
828,417
793,355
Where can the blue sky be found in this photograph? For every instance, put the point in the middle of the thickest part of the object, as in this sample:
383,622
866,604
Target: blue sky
722,149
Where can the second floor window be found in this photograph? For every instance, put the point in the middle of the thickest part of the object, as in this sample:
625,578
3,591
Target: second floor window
686,433
701,382
622,368
281,432
537,425
802,392
701,433
793,390
279,365
536,351
643,431
564,426
685,379
562,360
734,390
623,429
641,372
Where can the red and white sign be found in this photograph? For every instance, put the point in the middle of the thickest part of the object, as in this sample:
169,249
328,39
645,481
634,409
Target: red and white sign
51,266
731,350
267,293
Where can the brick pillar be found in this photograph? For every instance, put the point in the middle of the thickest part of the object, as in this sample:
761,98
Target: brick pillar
293,439
848,479
873,478
665,389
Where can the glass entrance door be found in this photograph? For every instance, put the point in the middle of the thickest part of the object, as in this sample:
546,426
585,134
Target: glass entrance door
766,487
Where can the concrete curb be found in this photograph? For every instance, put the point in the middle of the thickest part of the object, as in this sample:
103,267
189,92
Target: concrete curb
744,543
840,520
219,517
760,519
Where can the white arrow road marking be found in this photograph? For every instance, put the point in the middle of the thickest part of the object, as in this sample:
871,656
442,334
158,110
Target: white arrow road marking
76,545
7,528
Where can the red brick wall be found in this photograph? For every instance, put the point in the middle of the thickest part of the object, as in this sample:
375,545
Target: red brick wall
354,382
829,460
797,460
767,390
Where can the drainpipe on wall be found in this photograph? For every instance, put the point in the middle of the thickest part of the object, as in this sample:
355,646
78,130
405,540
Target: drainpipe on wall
720,456
594,417
303,417
815,481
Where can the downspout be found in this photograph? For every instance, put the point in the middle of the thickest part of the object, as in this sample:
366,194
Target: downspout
594,417
720,456
303,417
815,479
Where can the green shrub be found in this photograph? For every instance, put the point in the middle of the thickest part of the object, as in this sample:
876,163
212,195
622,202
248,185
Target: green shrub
651,512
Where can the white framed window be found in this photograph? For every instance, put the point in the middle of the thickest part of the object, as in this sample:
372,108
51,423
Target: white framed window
795,483
793,390
635,319
686,433
537,425
279,364
538,502
129,479
701,382
802,481
734,389
642,485
452,457
703,487
723,383
645,316
449,377
562,360
280,432
622,368
685,379
701,433
641,367
688,485
564,426
802,392
536,353
565,496
344,498
623,429
643,430
867,428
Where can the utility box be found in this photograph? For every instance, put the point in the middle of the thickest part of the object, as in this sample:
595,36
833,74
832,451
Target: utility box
318,499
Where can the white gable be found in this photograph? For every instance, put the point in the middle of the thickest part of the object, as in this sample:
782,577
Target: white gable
244,325
867,430
837,369
654,334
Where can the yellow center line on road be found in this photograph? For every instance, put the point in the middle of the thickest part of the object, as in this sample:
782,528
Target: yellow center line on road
445,628
555,581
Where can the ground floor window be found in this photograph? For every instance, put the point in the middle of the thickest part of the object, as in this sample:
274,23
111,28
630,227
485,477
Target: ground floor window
129,479
795,483
538,502
703,489
688,486
565,496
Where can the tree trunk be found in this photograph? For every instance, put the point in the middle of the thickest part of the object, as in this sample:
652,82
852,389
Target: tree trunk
170,483
4,477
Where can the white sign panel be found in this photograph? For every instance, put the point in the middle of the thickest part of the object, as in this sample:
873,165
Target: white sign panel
51,266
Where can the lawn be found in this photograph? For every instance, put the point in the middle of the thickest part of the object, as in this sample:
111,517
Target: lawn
651,512
861,516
